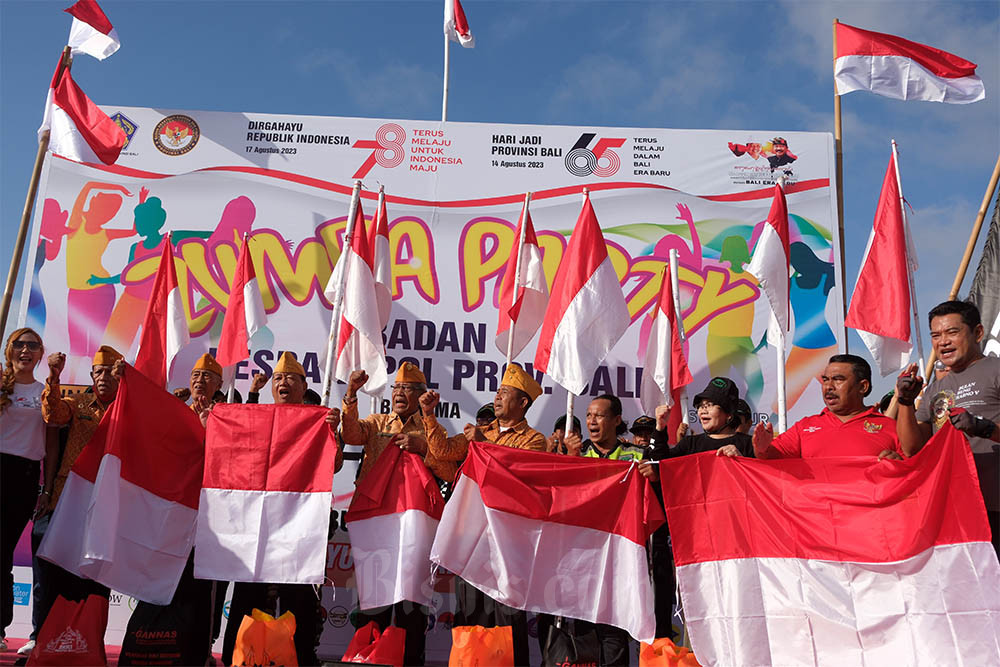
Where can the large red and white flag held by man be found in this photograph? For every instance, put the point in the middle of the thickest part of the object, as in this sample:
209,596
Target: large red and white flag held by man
126,516
164,328
266,494
392,519
523,290
880,306
359,339
837,561
91,32
245,313
895,67
665,371
587,313
540,534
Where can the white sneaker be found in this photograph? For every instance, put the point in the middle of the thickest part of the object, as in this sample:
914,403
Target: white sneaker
27,648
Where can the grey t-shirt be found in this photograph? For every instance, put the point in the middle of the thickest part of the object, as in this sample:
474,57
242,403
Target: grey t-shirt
977,389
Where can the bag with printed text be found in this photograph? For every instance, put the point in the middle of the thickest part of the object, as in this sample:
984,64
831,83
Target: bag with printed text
73,633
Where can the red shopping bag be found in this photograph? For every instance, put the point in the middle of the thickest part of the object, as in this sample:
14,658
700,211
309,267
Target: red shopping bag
73,633
372,646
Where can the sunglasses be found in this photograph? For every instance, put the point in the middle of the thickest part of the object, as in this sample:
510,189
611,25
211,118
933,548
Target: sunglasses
32,345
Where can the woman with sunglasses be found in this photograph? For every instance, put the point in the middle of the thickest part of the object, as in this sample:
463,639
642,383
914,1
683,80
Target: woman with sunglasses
24,442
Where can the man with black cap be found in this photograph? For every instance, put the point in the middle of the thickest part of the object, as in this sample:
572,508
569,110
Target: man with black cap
556,442
845,427
745,415
642,430
485,415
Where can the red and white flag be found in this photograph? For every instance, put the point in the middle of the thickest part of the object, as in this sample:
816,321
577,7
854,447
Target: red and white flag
78,129
522,306
665,371
895,67
392,519
91,32
164,327
266,493
769,265
836,561
456,28
378,245
126,516
359,339
586,313
880,306
519,523
245,314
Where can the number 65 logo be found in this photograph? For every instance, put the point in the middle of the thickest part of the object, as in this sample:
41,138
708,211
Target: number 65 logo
581,161
387,149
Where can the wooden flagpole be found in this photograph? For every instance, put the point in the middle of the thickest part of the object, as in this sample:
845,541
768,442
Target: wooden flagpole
970,247
338,301
838,144
517,274
29,204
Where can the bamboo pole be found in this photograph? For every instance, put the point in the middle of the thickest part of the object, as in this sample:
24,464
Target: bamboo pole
970,247
338,301
838,144
29,204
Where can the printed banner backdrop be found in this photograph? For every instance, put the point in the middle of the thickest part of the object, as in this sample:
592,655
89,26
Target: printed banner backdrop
454,192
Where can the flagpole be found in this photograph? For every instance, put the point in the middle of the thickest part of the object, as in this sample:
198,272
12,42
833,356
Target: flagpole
444,99
838,143
338,301
569,394
29,204
909,259
517,275
970,247
676,293
378,211
779,346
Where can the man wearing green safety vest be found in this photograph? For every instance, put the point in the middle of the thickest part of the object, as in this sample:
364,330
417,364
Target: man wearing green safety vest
606,426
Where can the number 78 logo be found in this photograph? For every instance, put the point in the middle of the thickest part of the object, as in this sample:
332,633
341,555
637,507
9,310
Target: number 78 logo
387,149
581,161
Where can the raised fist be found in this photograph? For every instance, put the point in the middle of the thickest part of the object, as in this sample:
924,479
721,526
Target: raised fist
908,385
356,381
662,414
57,360
182,393
473,434
333,418
257,383
573,444
428,401
762,437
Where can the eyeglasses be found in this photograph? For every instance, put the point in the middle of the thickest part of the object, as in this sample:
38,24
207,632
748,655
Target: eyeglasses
411,388
32,345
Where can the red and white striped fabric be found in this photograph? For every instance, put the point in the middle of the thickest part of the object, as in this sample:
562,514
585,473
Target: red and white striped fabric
78,129
266,493
392,520
839,561
455,26
548,534
665,371
164,327
880,306
525,311
359,339
895,67
769,265
91,32
586,314
126,516
245,314
378,245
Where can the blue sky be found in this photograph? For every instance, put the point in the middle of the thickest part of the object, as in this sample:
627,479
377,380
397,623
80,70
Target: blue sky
712,65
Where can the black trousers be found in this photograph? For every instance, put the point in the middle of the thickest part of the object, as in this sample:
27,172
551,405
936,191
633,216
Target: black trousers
45,575
300,599
473,607
613,642
407,615
18,495
664,586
